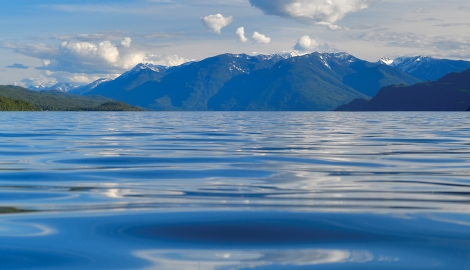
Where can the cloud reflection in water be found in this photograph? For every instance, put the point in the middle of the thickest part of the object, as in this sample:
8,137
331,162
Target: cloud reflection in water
240,259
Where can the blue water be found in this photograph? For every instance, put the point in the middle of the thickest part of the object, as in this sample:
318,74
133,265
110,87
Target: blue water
210,191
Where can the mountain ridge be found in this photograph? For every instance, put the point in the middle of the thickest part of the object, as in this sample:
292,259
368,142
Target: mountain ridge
191,86
426,68
450,93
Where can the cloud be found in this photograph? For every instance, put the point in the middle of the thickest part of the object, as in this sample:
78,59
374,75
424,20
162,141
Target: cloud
166,60
465,8
216,22
111,35
305,43
260,38
42,80
420,10
126,42
103,52
452,24
325,12
18,66
81,62
442,46
241,34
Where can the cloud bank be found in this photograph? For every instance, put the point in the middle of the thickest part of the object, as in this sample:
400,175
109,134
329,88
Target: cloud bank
216,22
441,46
80,62
326,12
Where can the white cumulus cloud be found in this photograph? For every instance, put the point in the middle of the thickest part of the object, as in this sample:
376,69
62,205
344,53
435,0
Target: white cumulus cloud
241,34
79,61
326,12
260,38
104,52
305,44
216,22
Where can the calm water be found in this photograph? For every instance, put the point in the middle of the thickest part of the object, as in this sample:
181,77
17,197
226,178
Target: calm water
233,191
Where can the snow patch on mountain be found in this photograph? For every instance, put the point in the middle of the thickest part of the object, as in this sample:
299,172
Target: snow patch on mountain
410,64
146,66
81,90
426,67
386,61
337,57
61,86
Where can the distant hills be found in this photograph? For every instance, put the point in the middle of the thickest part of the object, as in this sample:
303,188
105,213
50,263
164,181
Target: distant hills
15,98
450,93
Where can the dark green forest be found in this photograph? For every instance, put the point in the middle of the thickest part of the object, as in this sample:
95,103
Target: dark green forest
15,98
113,106
9,104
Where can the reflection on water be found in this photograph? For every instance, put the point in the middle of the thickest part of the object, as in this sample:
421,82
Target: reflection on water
213,260
77,176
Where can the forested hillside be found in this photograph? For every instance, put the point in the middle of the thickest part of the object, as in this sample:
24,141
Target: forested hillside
9,104
58,101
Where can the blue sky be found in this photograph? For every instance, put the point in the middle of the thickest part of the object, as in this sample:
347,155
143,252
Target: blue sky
47,41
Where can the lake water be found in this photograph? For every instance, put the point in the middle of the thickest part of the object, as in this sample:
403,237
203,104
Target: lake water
238,190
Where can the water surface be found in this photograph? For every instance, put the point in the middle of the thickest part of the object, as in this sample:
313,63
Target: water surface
239,190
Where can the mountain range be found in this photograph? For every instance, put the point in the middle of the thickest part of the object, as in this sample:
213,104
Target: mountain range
61,86
317,81
450,93
426,68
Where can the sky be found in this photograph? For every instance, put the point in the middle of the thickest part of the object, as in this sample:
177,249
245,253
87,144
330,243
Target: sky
79,41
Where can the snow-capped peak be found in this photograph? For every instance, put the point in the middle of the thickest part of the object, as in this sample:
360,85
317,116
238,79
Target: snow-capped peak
96,83
327,58
386,61
292,54
36,87
155,68
145,66
282,55
407,64
61,86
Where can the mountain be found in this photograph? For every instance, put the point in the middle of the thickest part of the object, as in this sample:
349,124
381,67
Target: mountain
450,93
117,89
426,68
81,90
191,83
318,81
63,87
55,100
